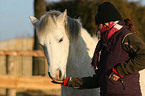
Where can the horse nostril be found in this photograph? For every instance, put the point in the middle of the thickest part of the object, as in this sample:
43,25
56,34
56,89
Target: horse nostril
60,74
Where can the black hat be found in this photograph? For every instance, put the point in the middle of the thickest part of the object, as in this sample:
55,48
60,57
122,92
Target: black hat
107,13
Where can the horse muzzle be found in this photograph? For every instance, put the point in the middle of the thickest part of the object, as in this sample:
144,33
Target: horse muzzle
57,77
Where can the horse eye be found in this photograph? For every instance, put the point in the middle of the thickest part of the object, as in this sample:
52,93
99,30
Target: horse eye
61,40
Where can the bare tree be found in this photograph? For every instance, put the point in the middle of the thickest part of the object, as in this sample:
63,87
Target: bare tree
38,63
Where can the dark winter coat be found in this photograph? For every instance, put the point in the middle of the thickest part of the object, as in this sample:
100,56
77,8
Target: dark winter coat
125,52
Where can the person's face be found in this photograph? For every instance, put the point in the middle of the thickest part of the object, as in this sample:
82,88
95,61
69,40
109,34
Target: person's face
101,26
98,28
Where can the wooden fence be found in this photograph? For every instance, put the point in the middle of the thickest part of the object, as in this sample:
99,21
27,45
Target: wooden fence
29,83
16,69
37,53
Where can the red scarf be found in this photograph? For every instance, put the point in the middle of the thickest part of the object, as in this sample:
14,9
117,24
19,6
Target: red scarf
114,27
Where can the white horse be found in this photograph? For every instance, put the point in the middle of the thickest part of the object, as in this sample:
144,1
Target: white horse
68,48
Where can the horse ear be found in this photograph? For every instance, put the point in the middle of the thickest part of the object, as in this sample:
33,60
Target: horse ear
34,21
62,17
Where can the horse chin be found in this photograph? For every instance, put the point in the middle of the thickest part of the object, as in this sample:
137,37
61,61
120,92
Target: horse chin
58,76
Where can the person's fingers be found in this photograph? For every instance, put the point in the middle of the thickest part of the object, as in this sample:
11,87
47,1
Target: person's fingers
79,81
116,77
113,77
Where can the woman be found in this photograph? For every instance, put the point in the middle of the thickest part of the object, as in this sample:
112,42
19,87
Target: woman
118,57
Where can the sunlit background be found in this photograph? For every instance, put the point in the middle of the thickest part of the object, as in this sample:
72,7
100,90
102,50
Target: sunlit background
14,18
19,58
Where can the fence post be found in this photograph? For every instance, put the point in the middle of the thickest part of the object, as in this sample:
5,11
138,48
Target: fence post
10,70
46,67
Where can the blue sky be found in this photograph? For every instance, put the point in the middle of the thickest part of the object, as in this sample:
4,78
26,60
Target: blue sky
14,18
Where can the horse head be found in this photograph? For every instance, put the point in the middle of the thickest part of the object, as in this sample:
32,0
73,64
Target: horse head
51,33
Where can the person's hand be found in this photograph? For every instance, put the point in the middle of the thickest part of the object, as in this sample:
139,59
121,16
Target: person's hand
74,82
114,76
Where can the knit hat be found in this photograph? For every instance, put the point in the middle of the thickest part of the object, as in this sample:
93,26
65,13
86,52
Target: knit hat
107,13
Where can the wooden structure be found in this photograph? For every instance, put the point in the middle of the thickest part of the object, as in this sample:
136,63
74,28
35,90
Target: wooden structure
16,69
30,83
36,53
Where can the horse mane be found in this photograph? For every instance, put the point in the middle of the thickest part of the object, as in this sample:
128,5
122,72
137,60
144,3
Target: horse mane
72,26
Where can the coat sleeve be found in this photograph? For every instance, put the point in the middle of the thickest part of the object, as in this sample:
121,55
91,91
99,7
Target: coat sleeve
91,82
135,47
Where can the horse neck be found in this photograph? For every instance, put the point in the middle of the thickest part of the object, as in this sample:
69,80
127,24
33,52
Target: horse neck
80,54
90,42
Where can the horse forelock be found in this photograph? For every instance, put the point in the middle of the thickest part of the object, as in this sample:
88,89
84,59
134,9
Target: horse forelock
44,19
73,26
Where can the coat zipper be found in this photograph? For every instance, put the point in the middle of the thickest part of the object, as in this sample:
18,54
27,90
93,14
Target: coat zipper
122,84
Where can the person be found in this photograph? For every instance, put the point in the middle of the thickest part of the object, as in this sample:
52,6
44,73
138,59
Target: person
118,57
